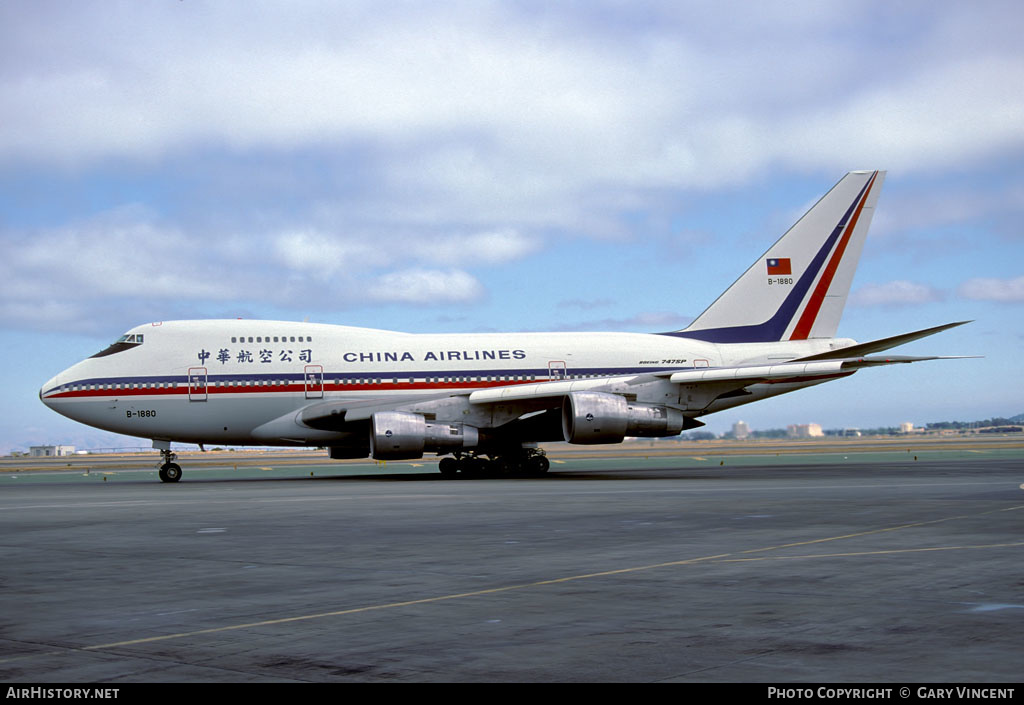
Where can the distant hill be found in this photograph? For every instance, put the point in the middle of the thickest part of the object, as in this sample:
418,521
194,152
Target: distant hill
1019,418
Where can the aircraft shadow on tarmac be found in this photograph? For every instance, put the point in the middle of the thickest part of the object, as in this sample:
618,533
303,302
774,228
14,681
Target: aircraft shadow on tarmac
611,474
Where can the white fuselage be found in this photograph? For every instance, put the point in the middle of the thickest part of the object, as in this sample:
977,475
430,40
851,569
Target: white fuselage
220,381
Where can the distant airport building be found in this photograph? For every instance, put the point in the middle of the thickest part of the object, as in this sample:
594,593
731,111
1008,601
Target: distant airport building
804,430
740,430
50,451
908,427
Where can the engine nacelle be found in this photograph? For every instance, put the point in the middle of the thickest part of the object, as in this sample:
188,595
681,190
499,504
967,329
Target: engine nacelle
594,417
652,421
598,417
399,435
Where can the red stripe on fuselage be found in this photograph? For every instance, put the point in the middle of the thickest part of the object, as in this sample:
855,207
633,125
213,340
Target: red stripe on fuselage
290,388
810,314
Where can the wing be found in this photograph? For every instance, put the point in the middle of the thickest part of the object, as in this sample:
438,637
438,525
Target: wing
696,392
735,377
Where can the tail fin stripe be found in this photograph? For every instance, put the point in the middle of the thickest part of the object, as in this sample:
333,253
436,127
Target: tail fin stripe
807,318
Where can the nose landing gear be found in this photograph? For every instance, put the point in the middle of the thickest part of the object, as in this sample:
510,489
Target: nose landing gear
170,471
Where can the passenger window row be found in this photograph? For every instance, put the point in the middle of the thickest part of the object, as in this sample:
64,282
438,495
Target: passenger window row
269,339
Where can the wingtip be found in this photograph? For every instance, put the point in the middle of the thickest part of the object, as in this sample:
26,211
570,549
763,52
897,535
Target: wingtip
947,326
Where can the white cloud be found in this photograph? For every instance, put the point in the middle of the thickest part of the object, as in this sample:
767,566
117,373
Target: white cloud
426,286
61,276
440,138
895,293
320,253
990,289
376,247
492,100
479,248
935,206
940,115
110,257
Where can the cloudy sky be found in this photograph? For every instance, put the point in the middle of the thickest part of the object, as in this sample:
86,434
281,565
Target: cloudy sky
507,166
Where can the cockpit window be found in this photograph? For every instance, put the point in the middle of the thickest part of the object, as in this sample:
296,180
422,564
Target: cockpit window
125,342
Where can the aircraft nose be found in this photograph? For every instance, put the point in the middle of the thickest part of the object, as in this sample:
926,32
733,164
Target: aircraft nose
50,385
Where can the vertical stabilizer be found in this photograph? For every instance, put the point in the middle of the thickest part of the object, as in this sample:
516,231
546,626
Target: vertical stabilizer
798,288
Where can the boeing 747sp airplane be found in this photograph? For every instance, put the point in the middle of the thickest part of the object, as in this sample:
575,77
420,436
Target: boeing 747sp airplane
487,400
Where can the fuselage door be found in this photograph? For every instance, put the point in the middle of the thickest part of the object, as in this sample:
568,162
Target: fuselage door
556,370
314,378
197,384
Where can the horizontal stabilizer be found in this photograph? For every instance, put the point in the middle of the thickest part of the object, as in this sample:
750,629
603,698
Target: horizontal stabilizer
879,345
795,371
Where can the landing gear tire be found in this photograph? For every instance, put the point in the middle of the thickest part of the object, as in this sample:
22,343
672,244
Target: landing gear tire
471,466
501,466
170,472
449,467
529,463
537,465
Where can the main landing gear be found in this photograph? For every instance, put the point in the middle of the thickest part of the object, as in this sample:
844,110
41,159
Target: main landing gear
524,463
170,471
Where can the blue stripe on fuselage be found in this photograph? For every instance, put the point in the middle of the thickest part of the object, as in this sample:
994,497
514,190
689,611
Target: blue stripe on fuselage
539,375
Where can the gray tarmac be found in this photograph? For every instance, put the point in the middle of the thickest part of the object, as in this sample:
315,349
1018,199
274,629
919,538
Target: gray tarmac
610,569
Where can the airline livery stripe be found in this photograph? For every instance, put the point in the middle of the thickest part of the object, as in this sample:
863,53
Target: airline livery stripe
368,381
810,314
265,388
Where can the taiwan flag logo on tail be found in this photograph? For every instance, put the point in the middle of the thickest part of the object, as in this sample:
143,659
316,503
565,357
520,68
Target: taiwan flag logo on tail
779,265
